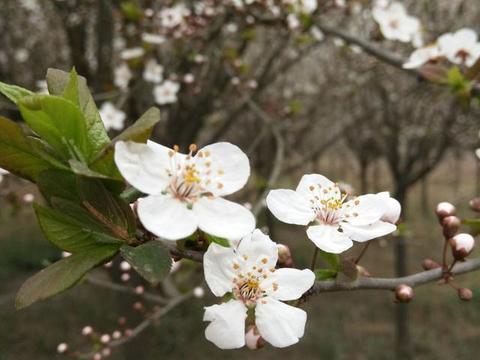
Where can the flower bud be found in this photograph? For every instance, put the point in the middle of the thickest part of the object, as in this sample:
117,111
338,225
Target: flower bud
87,330
404,293
284,256
465,294
445,209
429,264
253,340
116,334
62,348
198,292
105,339
450,225
462,245
362,271
97,356
475,204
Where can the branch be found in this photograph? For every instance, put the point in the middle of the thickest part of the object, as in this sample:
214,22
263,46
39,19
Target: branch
421,278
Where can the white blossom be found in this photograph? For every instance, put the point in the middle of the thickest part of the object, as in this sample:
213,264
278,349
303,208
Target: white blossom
166,93
396,24
173,17
422,56
334,221
132,53
153,39
122,76
112,117
461,47
153,71
248,273
185,191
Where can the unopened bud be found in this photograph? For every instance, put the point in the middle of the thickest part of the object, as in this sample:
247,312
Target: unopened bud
116,334
105,338
198,292
465,294
106,352
429,264
451,225
125,266
475,204
284,256
87,330
97,356
253,340
445,209
362,271
62,348
462,245
138,306
404,293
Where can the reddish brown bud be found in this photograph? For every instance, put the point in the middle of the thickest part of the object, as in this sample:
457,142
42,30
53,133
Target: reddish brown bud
445,209
285,259
465,294
429,264
451,225
138,306
475,204
253,340
404,293
462,245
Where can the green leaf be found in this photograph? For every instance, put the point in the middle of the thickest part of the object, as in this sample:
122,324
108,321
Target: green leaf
59,122
140,131
217,240
58,183
71,229
473,224
106,207
151,260
62,83
62,275
115,185
13,92
18,153
325,274
332,259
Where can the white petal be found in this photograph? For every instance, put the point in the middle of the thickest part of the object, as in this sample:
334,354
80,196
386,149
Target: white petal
218,270
363,210
227,166
392,208
166,217
258,245
329,239
368,232
143,168
290,207
466,37
290,284
223,218
312,180
227,327
278,323
166,153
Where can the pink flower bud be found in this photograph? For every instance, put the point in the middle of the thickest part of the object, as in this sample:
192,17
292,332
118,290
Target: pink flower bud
138,306
465,294
253,340
97,356
116,334
128,332
462,245
28,198
429,264
87,330
451,225
105,339
139,290
106,352
122,320
404,293
125,266
62,348
445,209
125,277
475,204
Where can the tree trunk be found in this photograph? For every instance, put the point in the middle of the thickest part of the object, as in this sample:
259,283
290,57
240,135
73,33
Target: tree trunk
105,32
424,196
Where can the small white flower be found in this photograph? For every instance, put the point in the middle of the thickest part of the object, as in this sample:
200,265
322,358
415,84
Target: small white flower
248,272
461,47
166,93
153,71
123,75
422,56
396,24
125,266
112,117
153,39
62,348
185,191
336,221
87,330
292,21
132,53
173,17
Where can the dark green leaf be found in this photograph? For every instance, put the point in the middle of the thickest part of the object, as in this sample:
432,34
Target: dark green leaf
115,185
62,275
325,274
18,153
332,259
151,260
58,183
13,92
217,240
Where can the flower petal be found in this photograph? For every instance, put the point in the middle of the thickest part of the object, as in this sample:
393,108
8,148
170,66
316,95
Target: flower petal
218,270
329,239
309,180
143,168
278,323
392,207
227,327
225,166
257,246
363,210
223,218
290,207
363,233
166,217
288,284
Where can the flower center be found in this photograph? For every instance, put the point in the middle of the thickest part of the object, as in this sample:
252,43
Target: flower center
185,183
463,55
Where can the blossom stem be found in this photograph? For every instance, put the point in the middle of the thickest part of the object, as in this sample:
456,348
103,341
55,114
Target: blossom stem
314,259
444,261
364,250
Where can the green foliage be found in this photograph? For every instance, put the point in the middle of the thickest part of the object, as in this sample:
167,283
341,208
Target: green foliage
151,260
332,259
62,275
217,240
13,92
459,84
20,154
131,11
325,274
474,225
